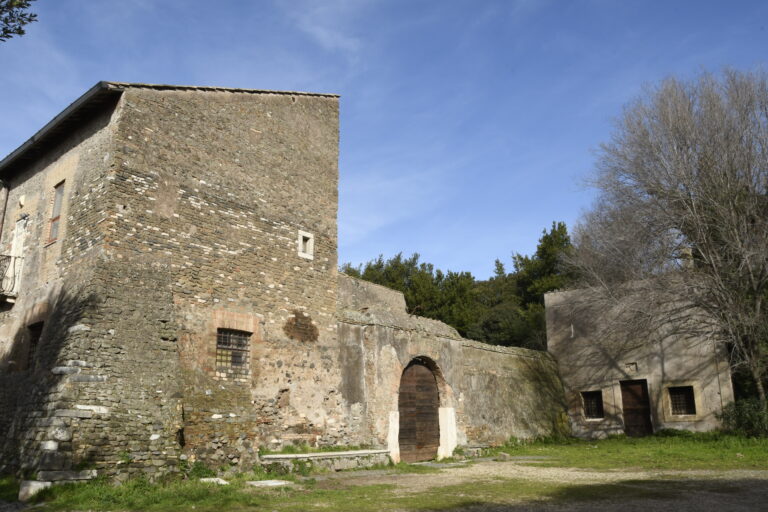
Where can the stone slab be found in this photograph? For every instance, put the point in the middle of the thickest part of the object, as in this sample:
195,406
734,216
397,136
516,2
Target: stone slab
268,483
321,455
54,476
31,487
215,480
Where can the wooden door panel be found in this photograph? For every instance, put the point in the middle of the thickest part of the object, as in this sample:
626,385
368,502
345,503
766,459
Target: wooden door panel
637,408
418,403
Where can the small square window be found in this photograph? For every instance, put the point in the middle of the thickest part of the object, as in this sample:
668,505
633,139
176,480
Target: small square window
232,354
682,400
306,244
593,404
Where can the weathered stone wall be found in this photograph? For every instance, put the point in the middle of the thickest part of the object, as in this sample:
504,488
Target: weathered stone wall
487,393
214,187
53,288
590,358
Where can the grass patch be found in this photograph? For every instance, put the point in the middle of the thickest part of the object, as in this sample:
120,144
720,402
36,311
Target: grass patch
9,488
180,495
666,450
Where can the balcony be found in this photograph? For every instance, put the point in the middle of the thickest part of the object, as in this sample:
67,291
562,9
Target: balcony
10,270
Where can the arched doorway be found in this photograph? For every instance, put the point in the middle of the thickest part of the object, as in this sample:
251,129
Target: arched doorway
418,404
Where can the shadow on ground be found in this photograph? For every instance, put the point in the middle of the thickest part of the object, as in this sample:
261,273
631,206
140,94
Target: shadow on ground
699,495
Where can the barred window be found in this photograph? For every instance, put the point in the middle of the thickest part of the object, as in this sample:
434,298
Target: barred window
682,400
232,354
593,404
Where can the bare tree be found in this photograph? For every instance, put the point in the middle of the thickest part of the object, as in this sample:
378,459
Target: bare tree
680,227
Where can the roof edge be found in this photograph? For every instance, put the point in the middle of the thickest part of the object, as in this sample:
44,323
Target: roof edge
207,88
50,125
104,88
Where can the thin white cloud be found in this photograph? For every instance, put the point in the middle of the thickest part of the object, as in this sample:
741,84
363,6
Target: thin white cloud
329,23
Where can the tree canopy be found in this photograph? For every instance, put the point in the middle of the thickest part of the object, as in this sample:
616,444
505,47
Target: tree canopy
507,309
682,212
14,15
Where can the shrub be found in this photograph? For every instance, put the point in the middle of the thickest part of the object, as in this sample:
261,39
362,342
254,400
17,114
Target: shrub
748,417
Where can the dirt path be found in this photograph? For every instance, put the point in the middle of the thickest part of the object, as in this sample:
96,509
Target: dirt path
586,490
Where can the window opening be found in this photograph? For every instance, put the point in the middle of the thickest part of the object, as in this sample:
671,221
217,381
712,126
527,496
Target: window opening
58,199
593,404
232,354
35,331
306,245
682,400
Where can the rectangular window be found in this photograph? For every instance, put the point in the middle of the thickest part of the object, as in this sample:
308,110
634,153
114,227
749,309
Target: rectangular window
682,400
34,331
232,354
593,404
306,244
58,199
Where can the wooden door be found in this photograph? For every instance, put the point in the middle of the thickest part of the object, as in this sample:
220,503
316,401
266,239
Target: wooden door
637,408
418,403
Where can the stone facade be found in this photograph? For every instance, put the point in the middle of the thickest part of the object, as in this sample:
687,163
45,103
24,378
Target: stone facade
189,305
687,377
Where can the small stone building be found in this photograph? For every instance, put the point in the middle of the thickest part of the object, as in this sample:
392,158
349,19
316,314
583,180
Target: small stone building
638,384
170,292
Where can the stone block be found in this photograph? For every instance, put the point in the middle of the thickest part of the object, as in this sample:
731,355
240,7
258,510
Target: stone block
96,409
55,476
60,434
72,413
268,483
88,378
31,487
215,480
49,445
64,370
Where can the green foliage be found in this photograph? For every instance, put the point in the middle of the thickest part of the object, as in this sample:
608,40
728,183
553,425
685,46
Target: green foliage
507,309
14,15
9,488
748,417
199,470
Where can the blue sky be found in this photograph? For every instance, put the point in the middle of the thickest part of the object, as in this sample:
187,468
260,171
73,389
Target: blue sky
467,127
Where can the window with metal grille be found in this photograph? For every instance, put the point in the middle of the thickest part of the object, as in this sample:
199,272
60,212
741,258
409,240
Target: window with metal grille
35,331
593,404
682,400
58,200
232,354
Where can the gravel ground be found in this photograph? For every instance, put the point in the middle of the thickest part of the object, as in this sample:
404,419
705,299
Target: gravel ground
699,491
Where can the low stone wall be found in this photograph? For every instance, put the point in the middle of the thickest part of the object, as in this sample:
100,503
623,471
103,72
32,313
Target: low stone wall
330,461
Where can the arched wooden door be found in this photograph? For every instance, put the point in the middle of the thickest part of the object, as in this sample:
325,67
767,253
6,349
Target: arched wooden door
418,403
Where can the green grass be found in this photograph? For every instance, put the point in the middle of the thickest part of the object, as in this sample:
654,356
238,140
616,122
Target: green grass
181,495
667,450
9,488
340,493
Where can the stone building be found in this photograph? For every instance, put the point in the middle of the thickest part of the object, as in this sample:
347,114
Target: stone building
170,291
670,378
